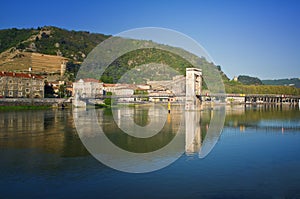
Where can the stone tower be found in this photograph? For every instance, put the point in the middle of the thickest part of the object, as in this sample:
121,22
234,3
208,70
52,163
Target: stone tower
63,68
193,88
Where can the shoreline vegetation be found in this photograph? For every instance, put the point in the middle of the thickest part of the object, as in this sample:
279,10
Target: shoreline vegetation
22,107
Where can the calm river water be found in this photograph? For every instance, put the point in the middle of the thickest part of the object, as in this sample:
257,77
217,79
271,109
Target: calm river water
257,155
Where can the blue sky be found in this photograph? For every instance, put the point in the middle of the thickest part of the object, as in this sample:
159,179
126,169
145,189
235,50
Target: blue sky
258,38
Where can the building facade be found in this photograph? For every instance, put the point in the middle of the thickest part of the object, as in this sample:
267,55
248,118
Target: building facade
87,88
21,85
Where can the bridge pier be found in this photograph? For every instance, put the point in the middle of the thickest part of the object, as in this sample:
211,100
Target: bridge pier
271,99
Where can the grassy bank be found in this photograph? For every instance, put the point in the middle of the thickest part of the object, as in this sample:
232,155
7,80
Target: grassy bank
8,108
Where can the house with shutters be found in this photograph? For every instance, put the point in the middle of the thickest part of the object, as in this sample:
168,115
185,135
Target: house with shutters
21,85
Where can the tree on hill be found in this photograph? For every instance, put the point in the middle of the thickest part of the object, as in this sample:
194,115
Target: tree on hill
13,37
249,80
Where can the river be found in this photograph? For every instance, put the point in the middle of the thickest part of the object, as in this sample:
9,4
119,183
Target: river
46,153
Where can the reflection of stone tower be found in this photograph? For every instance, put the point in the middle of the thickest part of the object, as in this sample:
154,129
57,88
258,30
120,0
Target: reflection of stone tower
193,88
63,68
192,132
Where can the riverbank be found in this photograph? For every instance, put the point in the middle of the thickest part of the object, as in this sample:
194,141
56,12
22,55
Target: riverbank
26,102
44,103
13,108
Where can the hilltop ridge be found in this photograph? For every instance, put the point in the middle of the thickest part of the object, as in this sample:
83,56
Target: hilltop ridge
74,45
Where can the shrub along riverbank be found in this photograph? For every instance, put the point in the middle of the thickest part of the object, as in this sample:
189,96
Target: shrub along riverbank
10,108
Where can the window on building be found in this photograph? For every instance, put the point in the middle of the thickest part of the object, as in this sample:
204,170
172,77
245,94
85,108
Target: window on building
10,93
27,84
10,81
27,90
20,94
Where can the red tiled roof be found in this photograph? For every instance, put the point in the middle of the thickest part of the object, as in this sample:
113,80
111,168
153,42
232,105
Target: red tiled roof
20,75
109,85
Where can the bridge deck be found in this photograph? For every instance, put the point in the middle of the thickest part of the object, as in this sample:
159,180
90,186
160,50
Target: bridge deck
220,95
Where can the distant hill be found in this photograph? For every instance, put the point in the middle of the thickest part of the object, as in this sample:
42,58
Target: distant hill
74,45
249,80
45,49
283,82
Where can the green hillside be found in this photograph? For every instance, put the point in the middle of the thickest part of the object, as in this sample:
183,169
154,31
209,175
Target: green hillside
287,82
247,80
50,40
236,87
13,37
76,45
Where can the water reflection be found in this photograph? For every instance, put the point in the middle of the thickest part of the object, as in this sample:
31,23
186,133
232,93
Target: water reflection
258,152
113,137
51,131
122,151
193,132
273,119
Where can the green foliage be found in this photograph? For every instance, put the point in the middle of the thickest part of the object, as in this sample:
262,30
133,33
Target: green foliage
249,80
292,81
13,37
62,91
108,101
15,108
143,56
71,70
52,41
140,92
71,44
75,45
261,89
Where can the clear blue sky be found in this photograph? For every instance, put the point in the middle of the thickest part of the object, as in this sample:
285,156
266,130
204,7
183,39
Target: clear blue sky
258,38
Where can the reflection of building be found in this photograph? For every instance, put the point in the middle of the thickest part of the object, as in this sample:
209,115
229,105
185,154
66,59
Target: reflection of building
41,130
18,85
17,122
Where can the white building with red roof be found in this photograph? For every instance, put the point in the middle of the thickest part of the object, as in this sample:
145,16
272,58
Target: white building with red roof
87,87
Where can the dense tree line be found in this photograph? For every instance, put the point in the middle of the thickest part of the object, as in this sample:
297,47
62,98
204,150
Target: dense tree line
249,80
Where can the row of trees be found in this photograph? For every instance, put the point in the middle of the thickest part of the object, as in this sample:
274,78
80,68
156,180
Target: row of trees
261,89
